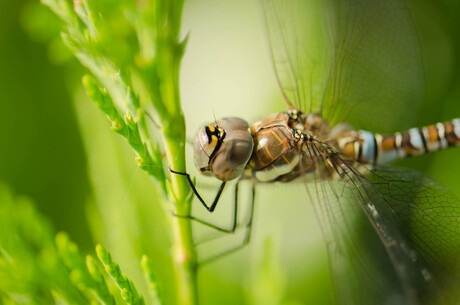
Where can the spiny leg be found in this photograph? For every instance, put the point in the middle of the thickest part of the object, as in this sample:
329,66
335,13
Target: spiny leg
192,186
235,217
234,226
248,226
210,208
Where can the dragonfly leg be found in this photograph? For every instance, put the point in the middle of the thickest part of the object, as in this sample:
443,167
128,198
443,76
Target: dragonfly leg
233,227
248,227
210,208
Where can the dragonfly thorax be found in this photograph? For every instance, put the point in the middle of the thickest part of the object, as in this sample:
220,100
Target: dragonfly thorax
271,149
280,146
223,149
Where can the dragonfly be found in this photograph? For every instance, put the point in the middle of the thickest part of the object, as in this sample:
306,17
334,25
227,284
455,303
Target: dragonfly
392,234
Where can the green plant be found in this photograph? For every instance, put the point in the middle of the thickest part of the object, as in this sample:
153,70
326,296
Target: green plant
35,268
118,42
132,75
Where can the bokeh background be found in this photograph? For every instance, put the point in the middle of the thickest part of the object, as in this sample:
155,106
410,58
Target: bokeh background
57,149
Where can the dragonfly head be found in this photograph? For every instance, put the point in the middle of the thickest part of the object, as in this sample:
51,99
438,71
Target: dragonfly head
223,149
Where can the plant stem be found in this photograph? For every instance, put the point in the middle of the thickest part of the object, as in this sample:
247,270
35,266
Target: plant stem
184,255
185,261
174,131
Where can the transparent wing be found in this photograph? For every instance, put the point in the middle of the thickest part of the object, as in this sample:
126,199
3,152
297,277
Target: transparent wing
392,235
353,60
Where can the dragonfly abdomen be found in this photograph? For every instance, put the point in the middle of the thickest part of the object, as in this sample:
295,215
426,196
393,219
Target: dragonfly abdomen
368,147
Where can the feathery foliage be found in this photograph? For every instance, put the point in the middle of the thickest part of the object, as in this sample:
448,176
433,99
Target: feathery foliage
36,269
134,82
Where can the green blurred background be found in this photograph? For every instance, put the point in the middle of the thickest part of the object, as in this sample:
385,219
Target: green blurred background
58,150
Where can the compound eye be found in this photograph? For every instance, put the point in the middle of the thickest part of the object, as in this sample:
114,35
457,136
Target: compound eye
231,160
240,145
223,148
229,124
207,143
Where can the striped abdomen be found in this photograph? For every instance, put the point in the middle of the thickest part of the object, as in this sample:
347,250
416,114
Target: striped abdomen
368,147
